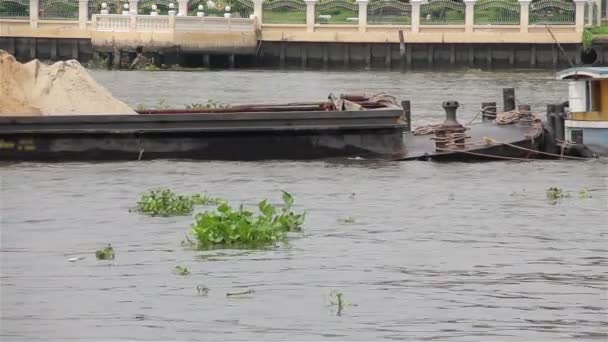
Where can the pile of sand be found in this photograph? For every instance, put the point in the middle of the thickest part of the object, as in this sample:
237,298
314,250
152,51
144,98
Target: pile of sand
64,88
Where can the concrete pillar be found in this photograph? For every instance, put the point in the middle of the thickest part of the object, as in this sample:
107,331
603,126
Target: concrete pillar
416,15
34,13
469,15
524,15
172,20
579,21
258,12
182,7
310,15
133,6
362,15
590,12
83,14
598,14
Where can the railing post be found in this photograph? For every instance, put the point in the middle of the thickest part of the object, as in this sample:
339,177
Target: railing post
469,15
362,15
182,8
416,15
34,13
258,12
579,19
172,21
133,22
133,7
310,15
524,15
83,13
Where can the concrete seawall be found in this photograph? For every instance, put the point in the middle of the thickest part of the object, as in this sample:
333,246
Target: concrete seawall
324,55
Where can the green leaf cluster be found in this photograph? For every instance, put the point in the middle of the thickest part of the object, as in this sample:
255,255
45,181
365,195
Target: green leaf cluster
164,202
183,271
555,193
106,253
227,227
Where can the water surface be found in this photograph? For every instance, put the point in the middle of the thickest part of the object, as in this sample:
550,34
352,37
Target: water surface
462,252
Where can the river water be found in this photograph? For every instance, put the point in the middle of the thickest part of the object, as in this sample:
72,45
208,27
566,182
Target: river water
462,252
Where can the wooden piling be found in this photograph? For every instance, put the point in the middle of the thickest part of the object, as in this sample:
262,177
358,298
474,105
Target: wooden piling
471,56
533,56
368,56
346,56
207,61
452,54
282,55
53,49
303,55
407,115
33,46
508,98
325,56
388,56
75,50
231,61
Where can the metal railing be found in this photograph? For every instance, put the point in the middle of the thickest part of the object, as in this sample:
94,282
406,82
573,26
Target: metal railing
497,12
337,12
553,12
442,12
14,8
389,12
284,12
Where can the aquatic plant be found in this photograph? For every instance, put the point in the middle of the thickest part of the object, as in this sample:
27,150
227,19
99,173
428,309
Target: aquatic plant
106,253
198,199
164,202
183,271
202,290
555,193
584,194
336,298
347,219
227,227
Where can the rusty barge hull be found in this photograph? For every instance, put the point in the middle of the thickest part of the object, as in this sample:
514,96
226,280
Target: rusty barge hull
294,135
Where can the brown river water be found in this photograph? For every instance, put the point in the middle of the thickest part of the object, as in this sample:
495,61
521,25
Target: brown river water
460,252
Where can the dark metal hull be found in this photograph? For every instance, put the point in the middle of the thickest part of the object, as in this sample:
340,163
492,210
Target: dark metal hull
226,136
510,142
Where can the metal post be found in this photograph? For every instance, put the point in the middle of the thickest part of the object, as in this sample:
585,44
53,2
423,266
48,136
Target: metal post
508,98
407,115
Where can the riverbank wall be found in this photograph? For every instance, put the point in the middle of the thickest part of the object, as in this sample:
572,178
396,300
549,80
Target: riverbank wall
320,55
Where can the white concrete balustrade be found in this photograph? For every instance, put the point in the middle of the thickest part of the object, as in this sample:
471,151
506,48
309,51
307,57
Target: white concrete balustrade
167,23
357,31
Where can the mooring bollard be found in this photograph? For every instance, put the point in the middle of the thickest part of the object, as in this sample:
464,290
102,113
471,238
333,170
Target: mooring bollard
451,133
488,111
407,115
508,99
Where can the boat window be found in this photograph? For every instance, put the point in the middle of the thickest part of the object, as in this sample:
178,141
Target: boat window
593,97
578,96
576,135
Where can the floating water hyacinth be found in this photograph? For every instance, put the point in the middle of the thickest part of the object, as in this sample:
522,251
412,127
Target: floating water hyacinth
228,227
165,202
106,253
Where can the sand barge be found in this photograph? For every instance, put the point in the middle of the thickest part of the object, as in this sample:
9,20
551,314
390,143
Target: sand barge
63,88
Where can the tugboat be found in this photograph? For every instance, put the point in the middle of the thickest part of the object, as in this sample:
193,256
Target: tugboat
586,116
